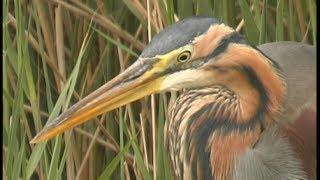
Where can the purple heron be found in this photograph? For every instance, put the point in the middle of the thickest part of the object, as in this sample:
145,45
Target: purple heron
243,112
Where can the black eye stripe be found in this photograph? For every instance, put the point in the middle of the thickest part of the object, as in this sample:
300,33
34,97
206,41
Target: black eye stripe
234,37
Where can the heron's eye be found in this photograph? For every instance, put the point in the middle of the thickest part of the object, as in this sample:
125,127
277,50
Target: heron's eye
184,56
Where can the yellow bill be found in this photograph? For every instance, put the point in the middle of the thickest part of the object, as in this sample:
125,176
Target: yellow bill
144,77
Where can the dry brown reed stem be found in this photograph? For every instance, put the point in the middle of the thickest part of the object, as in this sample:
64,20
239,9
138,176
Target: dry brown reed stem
159,16
103,21
144,12
28,108
239,27
138,32
126,170
86,156
62,70
47,35
128,157
300,16
60,43
153,108
144,142
305,37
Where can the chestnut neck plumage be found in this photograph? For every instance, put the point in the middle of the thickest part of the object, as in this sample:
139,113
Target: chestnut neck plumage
210,127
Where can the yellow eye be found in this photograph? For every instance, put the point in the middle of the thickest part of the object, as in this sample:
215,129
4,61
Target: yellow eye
184,56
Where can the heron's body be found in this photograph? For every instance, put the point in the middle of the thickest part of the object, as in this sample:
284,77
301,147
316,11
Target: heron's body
235,117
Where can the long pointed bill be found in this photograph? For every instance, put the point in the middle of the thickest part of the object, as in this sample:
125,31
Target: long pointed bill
134,83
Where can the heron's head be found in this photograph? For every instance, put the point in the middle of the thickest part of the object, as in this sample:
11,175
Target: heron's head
193,53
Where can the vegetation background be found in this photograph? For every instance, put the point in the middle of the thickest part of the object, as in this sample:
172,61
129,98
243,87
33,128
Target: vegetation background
55,52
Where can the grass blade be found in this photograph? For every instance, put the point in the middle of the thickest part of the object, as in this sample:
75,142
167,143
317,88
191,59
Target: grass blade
313,17
204,8
279,26
251,29
35,158
185,8
263,28
106,174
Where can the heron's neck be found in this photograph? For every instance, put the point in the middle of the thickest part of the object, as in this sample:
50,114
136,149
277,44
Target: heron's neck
216,125
234,123
263,73
226,149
